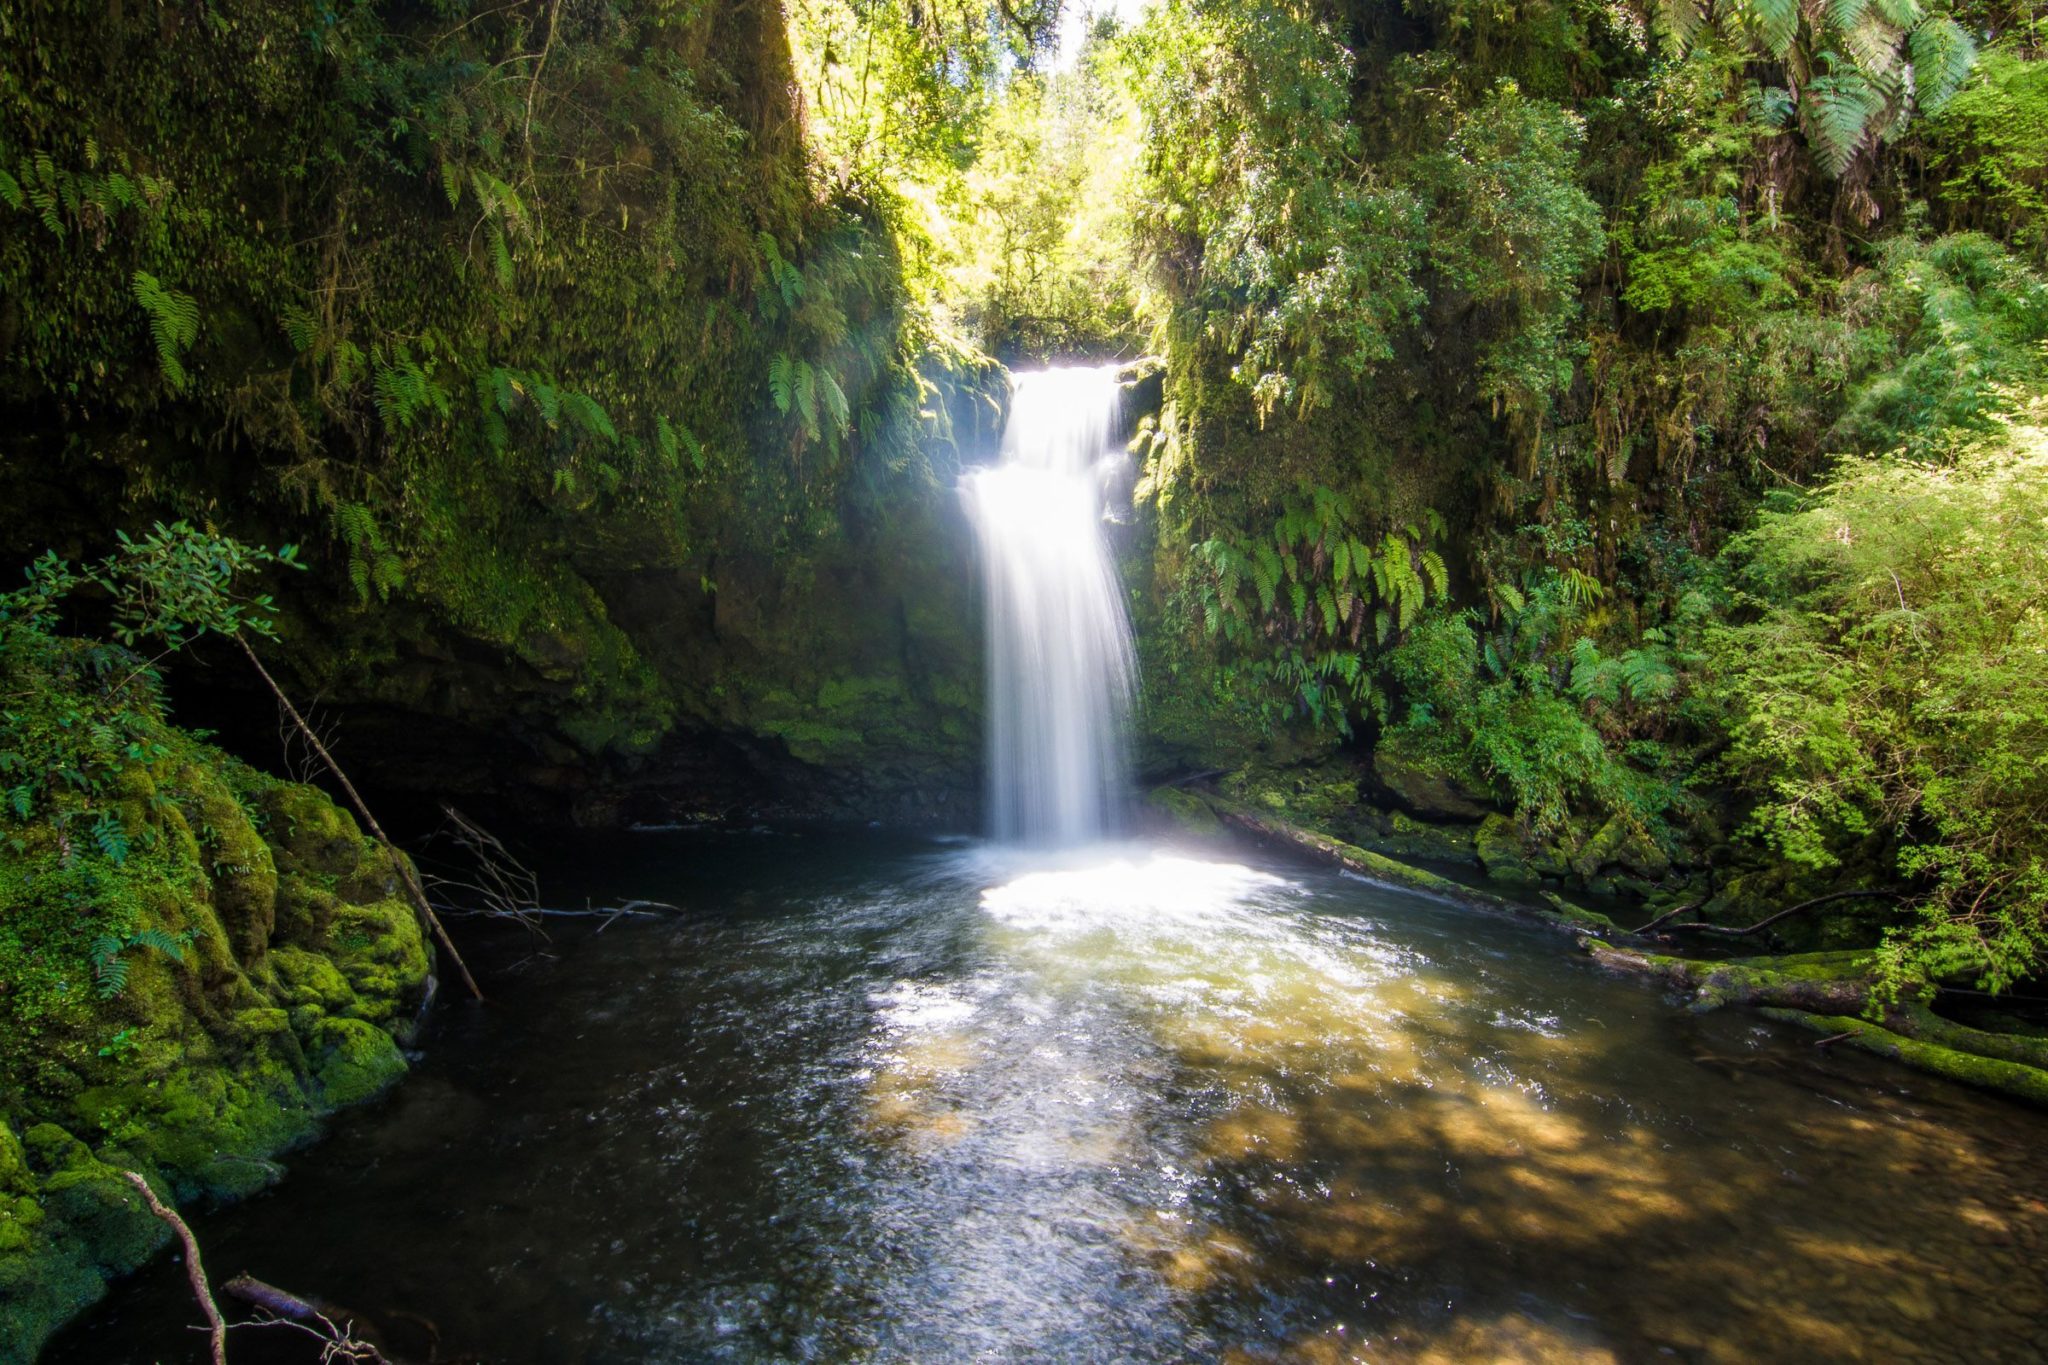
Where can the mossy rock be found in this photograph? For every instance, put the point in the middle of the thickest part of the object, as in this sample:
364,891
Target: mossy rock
354,1061
383,956
1186,811
240,865
307,978
1426,787
1620,843
1503,852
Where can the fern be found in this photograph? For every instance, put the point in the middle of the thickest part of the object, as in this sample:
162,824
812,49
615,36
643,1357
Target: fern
807,396
584,411
836,406
1943,54
1839,108
301,329
782,381
1678,22
10,192
109,968
373,566
1776,23
173,322
110,836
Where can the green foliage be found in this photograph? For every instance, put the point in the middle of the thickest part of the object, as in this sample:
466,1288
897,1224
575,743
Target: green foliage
173,322
1528,703
1989,146
1888,679
1299,605
1278,245
1854,71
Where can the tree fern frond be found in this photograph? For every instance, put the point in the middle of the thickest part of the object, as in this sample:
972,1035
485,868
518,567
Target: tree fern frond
585,412
1838,108
1678,23
1844,15
1874,44
836,406
807,396
1943,54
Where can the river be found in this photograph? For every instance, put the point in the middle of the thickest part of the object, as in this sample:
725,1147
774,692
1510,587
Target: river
868,1098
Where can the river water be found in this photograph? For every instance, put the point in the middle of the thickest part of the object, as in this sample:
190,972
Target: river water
868,1099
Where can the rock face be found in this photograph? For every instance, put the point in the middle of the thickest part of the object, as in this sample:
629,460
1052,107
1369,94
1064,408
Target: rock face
300,972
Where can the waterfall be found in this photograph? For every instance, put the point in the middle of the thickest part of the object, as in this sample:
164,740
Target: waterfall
1060,666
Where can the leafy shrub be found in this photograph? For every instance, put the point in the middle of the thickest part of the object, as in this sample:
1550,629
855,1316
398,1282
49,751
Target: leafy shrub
1888,676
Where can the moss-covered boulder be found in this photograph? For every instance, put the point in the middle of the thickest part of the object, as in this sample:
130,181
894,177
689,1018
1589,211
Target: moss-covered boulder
187,1000
1621,844
1503,851
1426,787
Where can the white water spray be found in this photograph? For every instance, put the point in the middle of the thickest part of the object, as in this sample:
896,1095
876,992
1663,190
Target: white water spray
1060,664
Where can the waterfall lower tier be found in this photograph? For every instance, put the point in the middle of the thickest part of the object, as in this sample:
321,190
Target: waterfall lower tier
1060,663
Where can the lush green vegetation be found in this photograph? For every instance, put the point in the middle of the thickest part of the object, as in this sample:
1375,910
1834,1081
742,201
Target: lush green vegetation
1508,361
1613,431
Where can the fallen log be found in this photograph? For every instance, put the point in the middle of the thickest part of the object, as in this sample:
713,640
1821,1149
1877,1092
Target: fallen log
1821,983
2016,1079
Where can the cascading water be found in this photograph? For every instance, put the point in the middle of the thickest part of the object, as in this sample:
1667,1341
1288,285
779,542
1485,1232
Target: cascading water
1060,664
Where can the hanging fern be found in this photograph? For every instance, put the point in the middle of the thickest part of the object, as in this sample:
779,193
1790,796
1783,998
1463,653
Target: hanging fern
373,566
782,382
173,322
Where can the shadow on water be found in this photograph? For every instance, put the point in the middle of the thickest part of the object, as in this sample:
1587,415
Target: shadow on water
869,1101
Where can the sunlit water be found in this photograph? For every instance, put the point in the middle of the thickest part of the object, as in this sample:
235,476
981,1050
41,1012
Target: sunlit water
1060,665
866,1100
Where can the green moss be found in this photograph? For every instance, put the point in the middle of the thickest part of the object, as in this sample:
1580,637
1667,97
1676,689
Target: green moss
354,1061
1987,1073
1187,811
307,978
1503,851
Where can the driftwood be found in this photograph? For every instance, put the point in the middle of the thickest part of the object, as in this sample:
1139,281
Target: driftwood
194,1271
1819,983
414,891
334,1328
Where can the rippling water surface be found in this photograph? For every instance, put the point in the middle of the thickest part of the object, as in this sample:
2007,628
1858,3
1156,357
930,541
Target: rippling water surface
864,1100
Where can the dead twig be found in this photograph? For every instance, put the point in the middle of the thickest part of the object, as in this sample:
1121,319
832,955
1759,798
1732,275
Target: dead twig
1667,915
413,889
1769,920
339,1341
194,1271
